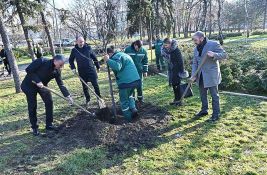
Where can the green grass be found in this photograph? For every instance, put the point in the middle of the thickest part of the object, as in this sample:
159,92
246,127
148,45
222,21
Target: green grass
234,145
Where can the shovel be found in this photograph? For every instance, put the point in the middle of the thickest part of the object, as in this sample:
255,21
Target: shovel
195,74
100,101
111,94
61,96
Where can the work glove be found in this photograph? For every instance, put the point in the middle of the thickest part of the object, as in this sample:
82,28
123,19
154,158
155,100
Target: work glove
70,100
192,79
145,74
106,57
40,85
74,71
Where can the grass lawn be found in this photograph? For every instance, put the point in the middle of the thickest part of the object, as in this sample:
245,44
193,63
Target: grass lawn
237,144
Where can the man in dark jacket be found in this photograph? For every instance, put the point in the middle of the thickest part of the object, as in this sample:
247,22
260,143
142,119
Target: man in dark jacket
41,71
173,56
38,51
86,60
5,61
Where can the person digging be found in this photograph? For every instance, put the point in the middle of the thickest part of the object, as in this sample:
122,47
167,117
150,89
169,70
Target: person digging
173,56
209,76
86,62
140,59
127,79
39,74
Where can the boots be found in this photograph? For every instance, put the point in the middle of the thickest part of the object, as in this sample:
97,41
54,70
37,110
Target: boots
177,96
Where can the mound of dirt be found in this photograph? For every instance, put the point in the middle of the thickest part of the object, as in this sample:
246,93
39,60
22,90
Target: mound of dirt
119,138
84,130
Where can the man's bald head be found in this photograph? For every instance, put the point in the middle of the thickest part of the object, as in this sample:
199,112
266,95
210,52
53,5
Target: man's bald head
80,42
198,37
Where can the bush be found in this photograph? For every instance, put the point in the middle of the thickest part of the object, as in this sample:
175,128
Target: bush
228,79
18,52
234,34
216,36
225,35
259,32
252,83
264,80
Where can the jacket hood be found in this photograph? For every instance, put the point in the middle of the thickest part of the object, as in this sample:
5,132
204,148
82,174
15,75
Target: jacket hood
174,45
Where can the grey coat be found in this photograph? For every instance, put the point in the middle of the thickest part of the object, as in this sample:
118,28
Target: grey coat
211,68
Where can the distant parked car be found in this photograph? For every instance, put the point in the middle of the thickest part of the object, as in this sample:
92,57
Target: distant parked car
65,42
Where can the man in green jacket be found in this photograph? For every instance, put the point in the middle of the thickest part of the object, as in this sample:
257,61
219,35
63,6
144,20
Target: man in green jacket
127,79
159,59
139,56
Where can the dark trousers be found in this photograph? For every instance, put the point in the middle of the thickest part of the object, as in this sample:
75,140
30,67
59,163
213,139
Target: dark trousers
204,97
139,89
175,82
7,66
32,106
160,62
86,90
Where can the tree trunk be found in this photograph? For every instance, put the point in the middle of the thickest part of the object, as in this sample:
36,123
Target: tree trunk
247,22
10,56
210,19
50,41
140,22
219,22
204,14
265,16
157,17
25,30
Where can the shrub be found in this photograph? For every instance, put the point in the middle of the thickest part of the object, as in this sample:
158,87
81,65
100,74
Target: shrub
234,34
18,52
225,35
259,32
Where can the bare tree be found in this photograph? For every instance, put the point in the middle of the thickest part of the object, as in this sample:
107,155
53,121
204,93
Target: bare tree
265,15
10,55
47,31
24,27
247,17
204,14
219,21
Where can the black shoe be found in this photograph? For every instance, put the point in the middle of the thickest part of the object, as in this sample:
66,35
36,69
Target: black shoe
51,128
135,116
173,103
176,103
214,118
201,114
139,103
35,132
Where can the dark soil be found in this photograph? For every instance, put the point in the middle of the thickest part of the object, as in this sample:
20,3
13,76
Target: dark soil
120,138
116,135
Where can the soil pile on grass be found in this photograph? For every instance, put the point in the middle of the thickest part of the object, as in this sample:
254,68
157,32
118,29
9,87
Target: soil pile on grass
86,131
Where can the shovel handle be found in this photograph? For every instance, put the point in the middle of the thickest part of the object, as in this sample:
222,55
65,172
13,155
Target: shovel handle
195,74
61,96
111,93
87,86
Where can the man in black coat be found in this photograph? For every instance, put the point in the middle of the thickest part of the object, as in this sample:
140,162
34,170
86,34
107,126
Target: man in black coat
41,71
173,56
5,61
86,62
